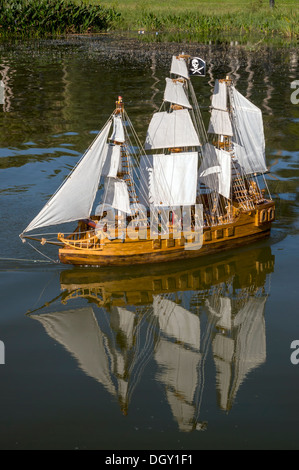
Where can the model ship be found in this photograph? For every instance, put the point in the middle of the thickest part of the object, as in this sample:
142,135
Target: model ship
185,193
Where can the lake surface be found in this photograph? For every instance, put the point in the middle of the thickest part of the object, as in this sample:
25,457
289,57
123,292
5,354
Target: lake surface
186,356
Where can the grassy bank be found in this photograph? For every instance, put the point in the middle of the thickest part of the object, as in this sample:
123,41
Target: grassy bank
53,17
197,19
203,17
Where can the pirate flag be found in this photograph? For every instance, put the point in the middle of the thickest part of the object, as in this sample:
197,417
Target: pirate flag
197,67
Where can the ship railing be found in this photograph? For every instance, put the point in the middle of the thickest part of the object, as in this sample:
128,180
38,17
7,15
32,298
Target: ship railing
89,241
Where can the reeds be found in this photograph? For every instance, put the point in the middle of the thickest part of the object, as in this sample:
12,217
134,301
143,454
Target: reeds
197,19
240,23
204,18
38,18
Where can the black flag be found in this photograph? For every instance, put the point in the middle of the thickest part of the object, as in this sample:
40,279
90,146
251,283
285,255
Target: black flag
197,67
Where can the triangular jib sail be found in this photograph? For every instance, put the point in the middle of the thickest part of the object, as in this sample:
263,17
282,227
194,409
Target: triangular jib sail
75,198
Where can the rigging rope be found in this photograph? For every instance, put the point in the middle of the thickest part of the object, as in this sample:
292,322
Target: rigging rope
23,259
40,252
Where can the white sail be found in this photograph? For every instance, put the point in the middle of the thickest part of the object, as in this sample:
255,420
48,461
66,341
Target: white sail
75,197
118,134
112,162
219,97
220,123
116,194
179,67
225,176
215,170
210,171
249,139
168,130
172,179
175,93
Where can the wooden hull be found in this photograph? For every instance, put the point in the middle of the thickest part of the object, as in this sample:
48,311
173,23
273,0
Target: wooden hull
246,228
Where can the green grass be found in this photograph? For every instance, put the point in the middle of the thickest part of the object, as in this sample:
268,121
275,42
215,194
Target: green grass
204,17
52,17
193,19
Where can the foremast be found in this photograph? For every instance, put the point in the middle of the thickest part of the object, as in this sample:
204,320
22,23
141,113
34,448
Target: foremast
125,168
106,165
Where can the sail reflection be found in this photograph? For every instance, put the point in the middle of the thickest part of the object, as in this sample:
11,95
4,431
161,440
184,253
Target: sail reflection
239,346
78,331
178,359
174,320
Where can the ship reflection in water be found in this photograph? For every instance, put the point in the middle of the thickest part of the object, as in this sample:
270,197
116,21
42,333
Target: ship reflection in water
172,316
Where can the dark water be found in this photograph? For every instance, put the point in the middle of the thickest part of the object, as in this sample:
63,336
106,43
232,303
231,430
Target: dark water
184,356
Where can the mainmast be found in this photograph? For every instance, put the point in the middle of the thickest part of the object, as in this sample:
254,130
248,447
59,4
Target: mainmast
170,171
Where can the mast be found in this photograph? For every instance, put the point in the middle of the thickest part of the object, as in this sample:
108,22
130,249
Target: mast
107,160
120,190
125,168
169,171
238,184
248,144
215,170
236,133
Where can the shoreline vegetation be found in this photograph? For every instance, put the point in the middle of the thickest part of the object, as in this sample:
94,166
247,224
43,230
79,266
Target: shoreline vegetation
162,20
